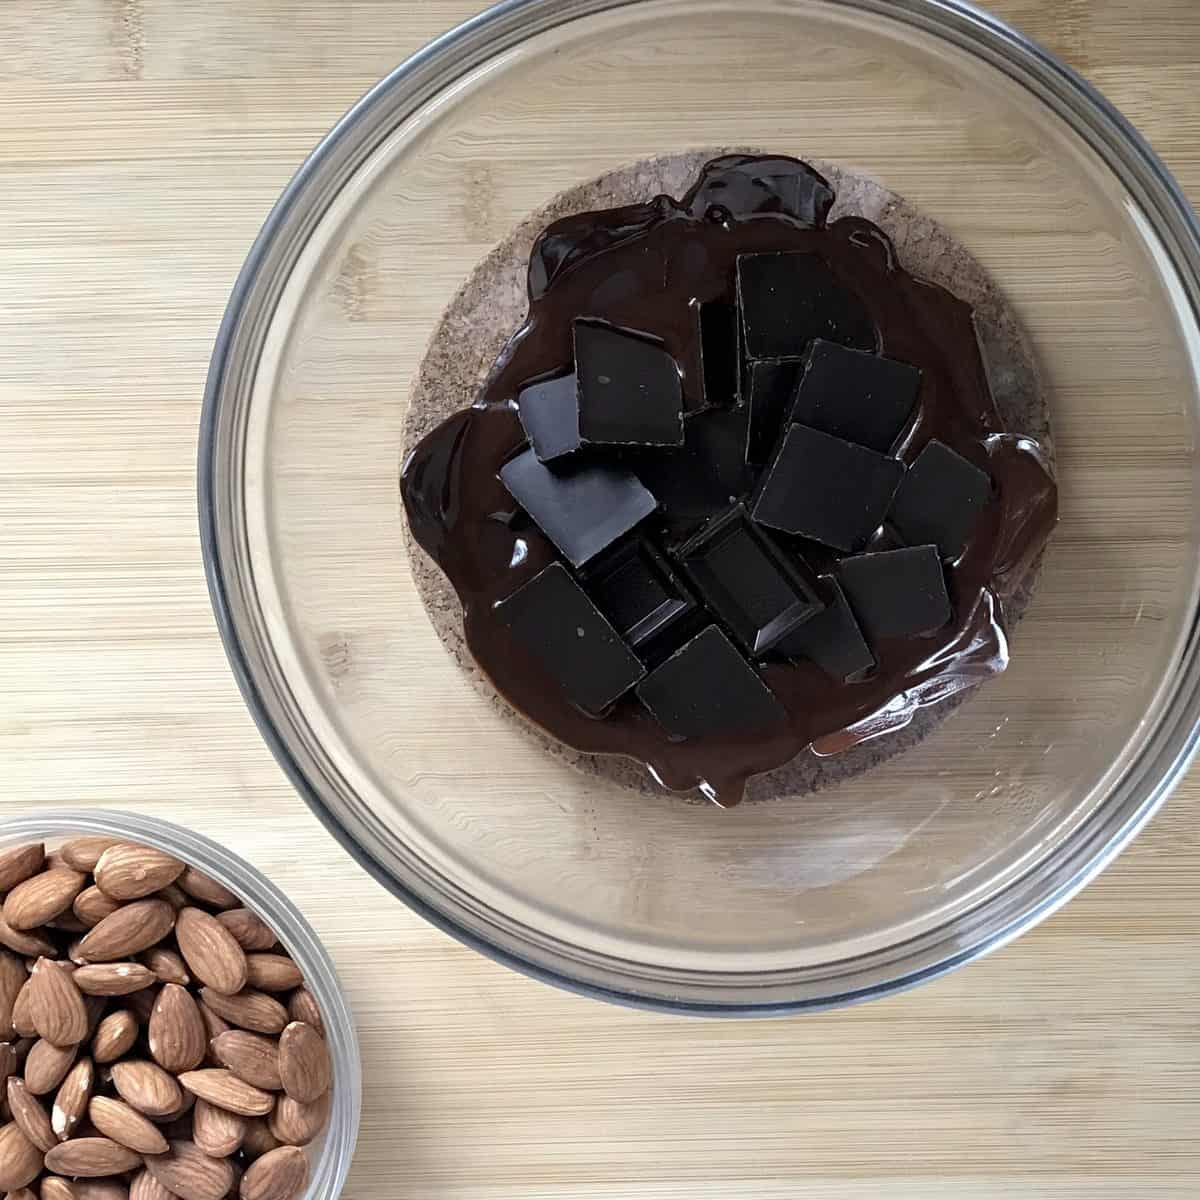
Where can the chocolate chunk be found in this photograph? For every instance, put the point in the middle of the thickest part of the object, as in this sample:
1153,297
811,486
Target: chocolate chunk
745,580
629,388
552,617
706,476
788,299
636,589
549,413
582,509
940,499
720,352
743,184
832,639
897,593
707,688
827,489
771,384
862,398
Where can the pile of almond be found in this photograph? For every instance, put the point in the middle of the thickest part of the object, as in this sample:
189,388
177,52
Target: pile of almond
156,1040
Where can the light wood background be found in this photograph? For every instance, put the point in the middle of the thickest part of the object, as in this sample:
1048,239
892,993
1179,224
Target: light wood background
141,144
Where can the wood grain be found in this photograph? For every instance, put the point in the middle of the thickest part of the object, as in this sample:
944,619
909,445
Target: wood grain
143,143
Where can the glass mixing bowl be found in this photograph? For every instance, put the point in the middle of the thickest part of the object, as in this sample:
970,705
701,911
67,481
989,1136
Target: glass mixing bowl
936,857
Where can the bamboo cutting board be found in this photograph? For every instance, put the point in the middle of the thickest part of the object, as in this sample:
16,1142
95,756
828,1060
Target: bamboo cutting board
141,144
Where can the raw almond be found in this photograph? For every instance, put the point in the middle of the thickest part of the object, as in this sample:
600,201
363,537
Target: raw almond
113,978
92,1158
22,1013
178,1123
38,899
251,1057
187,1172
146,1187
302,1006
99,1189
259,1139
280,1175
272,973
128,931
147,1087
295,1123
248,1010
128,872
47,1065
96,1007
56,1004
211,951
71,1103
19,864
141,1004
206,889
175,896
224,1089
304,1064
168,967
83,853
8,1061
31,1118
12,983
217,1131
32,945
114,1036
177,1035
54,1187
251,932
22,1194
92,906
117,1120
68,922
20,1159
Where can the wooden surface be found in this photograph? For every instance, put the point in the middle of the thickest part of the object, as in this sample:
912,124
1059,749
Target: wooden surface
142,144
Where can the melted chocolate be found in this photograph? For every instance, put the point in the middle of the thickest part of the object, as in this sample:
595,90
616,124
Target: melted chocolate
647,267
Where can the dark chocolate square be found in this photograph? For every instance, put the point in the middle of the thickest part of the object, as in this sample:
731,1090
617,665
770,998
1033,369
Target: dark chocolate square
787,299
549,413
940,499
630,393
552,617
771,386
827,489
862,398
897,593
583,508
636,589
746,582
708,689
832,639
720,352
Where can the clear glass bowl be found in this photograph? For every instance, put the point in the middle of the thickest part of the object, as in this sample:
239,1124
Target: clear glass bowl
331,1154
929,861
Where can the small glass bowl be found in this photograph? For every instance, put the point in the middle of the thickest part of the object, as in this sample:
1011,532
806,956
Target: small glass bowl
331,1154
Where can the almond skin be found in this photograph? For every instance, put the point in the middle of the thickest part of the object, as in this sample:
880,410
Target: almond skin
147,1087
47,1065
251,932
8,1061
248,1010
31,945
295,1123
41,898
54,1187
211,951
56,1005
71,1103
117,1120
92,906
259,1139
250,1056
177,1035
128,931
141,1004
92,1158
99,1189
114,1036
168,967
29,1115
217,1131
187,1172
304,1064
146,1187
83,853
22,1013
20,863
20,1159
206,889
224,1089
302,1006
12,982
272,973
280,1175
113,978
129,872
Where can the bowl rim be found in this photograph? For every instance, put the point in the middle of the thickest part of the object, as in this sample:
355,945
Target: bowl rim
1091,116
